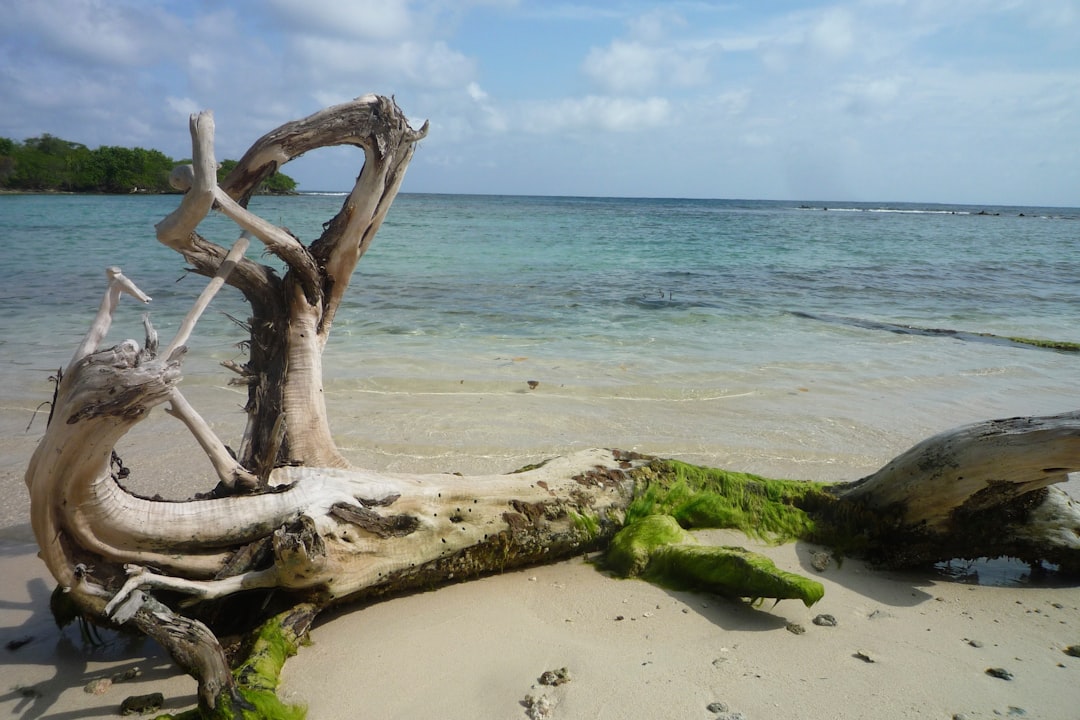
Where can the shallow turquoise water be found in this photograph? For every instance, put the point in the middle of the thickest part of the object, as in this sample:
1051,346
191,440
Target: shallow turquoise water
584,276
674,326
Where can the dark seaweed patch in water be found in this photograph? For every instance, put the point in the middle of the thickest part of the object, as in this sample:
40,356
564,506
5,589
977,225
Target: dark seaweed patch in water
666,301
940,332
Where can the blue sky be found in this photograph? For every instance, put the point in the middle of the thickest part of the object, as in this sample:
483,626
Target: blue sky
967,101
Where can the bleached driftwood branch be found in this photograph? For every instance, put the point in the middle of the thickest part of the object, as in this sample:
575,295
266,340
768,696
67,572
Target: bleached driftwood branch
981,490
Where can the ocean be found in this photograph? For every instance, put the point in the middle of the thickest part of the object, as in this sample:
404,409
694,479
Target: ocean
773,337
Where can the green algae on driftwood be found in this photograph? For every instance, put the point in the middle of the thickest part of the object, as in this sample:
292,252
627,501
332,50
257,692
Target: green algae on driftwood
659,550
769,509
701,497
258,675
673,497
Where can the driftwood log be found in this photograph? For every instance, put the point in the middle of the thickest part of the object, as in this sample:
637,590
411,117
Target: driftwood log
291,528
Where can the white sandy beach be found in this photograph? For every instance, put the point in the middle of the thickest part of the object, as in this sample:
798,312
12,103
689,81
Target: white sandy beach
632,650
477,649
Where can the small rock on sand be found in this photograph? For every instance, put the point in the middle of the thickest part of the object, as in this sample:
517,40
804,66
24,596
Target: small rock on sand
130,674
98,686
17,643
139,704
825,620
538,707
555,677
723,713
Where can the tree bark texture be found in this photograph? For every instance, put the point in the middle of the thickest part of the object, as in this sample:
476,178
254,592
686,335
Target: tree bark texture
981,490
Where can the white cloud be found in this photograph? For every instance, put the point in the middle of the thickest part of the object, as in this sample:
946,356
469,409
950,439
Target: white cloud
729,103
1058,15
832,35
357,19
633,67
201,63
623,66
395,66
476,92
655,26
434,64
616,114
658,52
756,139
120,34
184,106
491,118
861,96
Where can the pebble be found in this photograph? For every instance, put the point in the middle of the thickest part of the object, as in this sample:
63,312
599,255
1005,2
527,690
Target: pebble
862,655
723,713
14,645
975,643
129,674
98,686
1073,651
538,708
820,561
1001,673
555,677
825,620
139,704
795,628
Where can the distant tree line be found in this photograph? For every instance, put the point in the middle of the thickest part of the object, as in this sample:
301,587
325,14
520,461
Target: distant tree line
48,163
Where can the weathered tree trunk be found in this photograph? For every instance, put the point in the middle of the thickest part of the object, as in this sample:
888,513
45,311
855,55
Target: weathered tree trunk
292,315
981,490
290,517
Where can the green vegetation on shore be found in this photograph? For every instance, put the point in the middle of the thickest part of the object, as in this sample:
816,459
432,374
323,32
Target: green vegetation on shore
51,164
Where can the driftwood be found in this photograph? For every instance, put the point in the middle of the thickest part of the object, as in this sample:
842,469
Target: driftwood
292,528
981,490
